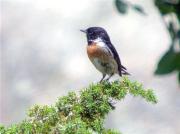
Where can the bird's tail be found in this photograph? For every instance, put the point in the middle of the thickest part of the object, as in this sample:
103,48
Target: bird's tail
123,71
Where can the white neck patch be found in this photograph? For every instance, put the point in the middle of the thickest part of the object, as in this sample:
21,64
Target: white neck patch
102,44
99,42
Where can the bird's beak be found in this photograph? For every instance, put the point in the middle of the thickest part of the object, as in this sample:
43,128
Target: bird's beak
84,31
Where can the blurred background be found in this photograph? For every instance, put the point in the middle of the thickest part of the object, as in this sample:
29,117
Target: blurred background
43,56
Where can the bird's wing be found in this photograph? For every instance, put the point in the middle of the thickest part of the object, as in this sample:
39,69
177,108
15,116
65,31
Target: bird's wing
121,69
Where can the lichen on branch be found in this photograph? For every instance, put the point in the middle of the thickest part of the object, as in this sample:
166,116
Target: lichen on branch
79,113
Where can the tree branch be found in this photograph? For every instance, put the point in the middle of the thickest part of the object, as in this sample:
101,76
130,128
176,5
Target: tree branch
82,113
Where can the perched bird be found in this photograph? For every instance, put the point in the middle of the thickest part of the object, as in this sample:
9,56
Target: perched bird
102,53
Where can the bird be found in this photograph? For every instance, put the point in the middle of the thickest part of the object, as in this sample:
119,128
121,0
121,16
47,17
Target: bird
102,53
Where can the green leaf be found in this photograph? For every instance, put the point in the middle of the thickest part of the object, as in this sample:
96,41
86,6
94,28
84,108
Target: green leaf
172,31
165,7
121,6
167,63
138,9
177,6
2,129
177,61
178,34
179,77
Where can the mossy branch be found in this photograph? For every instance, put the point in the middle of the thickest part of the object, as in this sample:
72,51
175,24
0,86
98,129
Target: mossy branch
82,113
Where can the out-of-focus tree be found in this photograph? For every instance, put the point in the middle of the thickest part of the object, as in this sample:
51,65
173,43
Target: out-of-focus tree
123,6
170,61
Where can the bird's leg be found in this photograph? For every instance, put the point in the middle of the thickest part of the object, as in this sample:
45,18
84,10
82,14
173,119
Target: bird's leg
104,75
109,77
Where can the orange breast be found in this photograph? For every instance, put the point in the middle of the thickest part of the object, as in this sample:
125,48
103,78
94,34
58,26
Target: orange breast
95,51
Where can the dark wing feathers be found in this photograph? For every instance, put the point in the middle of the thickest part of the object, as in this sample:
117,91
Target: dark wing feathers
121,68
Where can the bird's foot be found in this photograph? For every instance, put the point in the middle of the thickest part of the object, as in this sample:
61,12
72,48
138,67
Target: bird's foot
102,78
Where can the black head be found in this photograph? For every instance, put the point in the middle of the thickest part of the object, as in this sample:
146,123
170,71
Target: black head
94,33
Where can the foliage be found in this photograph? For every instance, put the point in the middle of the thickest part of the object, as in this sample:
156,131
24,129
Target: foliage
123,6
82,113
168,6
170,61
